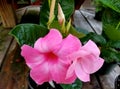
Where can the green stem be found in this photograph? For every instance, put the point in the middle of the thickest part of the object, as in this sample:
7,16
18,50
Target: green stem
51,14
118,25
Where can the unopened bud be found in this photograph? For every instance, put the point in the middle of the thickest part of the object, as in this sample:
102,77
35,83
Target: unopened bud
61,16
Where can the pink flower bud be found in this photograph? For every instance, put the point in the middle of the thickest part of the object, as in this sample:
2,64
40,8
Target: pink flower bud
61,16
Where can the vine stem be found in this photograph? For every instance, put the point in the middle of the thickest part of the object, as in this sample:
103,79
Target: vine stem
118,25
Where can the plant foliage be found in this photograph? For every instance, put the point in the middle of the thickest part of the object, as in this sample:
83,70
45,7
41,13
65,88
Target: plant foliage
113,4
111,18
110,50
76,85
68,10
28,33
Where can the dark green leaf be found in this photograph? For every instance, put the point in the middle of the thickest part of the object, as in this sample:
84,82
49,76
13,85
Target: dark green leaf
98,39
44,13
110,17
28,33
113,4
110,55
68,8
76,85
111,28
114,44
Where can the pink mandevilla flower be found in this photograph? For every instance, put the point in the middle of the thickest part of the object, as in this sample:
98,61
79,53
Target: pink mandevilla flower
85,62
48,58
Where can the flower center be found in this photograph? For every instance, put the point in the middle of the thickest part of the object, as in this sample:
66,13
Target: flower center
51,55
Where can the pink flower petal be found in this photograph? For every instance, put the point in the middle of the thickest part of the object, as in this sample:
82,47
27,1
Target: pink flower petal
50,42
83,76
69,45
58,71
70,80
85,61
91,47
40,73
90,60
31,56
71,70
91,64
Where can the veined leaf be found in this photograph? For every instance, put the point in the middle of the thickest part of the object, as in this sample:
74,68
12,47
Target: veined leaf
111,28
76,85
44,13
68,7
110,17
110,55
28,33
98,39
114,44
113,4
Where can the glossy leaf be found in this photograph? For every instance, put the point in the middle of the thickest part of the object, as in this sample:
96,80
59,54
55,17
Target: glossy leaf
76,85
98,39
110,55
110,17
114,44
68,8
44,13
111,28
113,4
28,33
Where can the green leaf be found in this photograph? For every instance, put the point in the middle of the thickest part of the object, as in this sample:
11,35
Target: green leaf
28,33
111,28
113,4
110,17
110,55
98,39
76,85
114,44
44,13
111,32
68,8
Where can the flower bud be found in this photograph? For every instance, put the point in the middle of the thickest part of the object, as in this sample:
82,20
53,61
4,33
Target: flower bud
61,16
